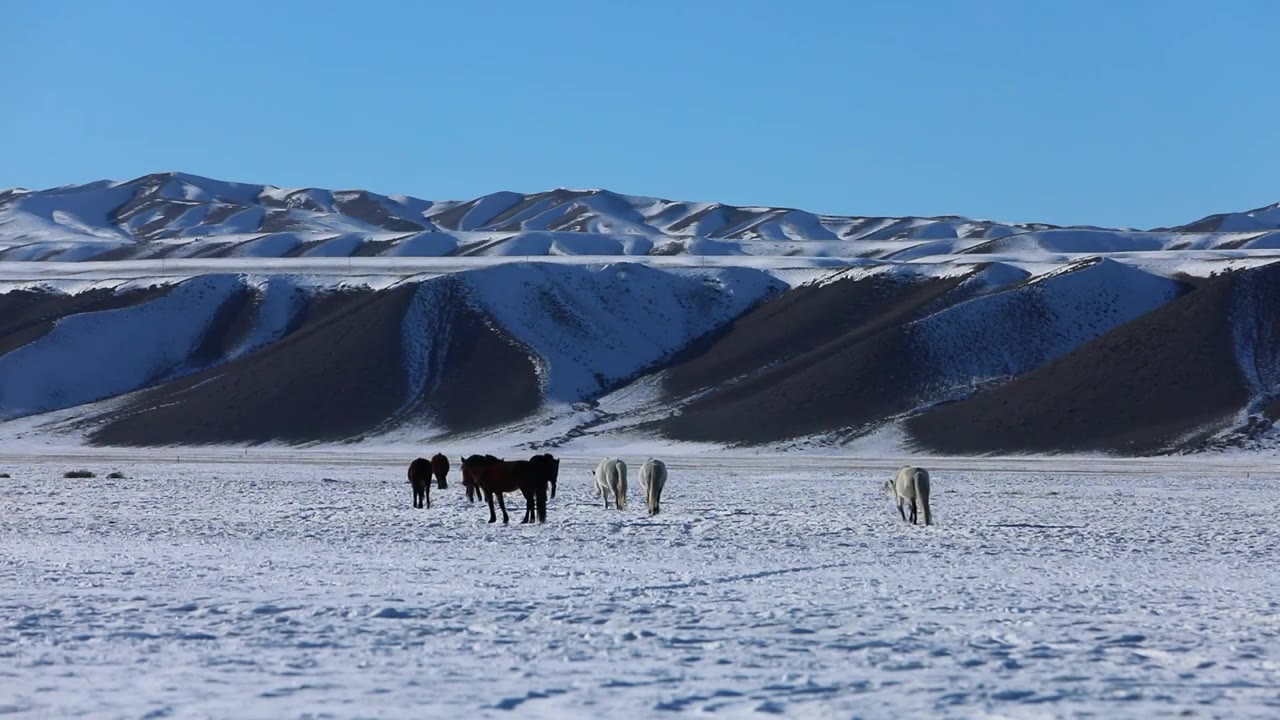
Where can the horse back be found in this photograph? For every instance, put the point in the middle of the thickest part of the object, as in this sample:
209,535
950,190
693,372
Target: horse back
545,467
920,483
506,476
439,464
654,473
419,469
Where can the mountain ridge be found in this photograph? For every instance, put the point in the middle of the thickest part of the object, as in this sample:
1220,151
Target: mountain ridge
299,315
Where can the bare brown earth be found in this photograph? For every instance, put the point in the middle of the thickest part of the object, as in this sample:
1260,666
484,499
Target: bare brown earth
814,359
1152,384
328,381
799,322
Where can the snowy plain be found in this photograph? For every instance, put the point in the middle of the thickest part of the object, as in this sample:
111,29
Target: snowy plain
281,584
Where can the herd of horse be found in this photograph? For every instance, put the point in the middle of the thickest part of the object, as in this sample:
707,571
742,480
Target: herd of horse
536,478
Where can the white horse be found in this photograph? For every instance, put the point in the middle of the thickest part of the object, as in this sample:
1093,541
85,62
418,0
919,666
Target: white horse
911,485
611,477
653,477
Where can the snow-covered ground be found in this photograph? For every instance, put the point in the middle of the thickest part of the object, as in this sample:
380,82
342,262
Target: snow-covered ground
302,584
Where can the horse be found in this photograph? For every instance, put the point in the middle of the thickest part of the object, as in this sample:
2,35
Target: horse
554,464
469,479
653,477
420,479
440,468
497,477
611,477
472,467
544,471
911,485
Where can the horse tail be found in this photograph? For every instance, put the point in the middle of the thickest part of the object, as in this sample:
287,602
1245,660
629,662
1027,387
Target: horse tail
654,478
920,479
620,486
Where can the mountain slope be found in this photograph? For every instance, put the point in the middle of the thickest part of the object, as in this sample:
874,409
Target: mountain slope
221,312
455,353
922,343
1168,380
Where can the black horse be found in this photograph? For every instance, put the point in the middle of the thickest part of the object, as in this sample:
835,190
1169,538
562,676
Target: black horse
420,479
551,467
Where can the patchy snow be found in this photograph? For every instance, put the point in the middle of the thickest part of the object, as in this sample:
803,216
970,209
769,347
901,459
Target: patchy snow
305,585
1010,332
1255,340
280,299
424,337
202,208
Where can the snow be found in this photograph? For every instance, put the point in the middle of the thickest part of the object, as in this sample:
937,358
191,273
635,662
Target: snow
79,213
270,245
247,220
145,342
426,244
591,326
486,208
305,585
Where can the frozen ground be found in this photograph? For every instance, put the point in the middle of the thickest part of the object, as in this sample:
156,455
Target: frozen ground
261,589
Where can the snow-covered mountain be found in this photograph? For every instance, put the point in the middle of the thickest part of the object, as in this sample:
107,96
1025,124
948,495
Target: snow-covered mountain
176,215
231,313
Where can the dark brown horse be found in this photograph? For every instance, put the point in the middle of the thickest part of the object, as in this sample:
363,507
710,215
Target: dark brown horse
498,477
469,480
420,479
551,467
440,468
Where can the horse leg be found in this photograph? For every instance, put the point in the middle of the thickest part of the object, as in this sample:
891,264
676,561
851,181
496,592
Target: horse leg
488,496
553,488
913,511
502,504
528,507
902,512
542,505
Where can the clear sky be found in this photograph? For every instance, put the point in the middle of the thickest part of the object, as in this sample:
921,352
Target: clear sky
1110,112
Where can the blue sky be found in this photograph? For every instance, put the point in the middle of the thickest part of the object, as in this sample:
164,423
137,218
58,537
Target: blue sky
1124,112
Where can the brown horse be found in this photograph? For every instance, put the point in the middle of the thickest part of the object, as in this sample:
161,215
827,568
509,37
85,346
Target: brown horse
420,479
440,468
469,480
551,467
498,477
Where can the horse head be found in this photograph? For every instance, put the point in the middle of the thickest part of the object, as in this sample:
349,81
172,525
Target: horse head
548,467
